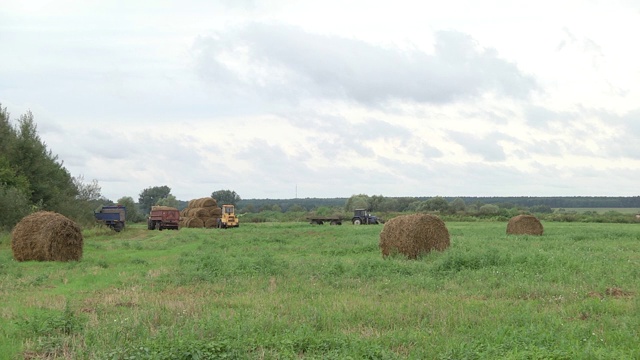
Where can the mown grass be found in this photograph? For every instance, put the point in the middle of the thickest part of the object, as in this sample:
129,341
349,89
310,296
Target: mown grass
293,290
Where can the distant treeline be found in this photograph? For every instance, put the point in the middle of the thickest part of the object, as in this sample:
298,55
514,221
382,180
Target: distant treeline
559,202
255,205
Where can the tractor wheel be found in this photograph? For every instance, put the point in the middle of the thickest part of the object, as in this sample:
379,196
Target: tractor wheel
357,222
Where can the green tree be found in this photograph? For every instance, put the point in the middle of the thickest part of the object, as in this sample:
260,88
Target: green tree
87,191
389,204
226,197
7,132
375,202
489,209
360,201
170,200
51,184
151,195
14,204
10,178
458,205
437,203
133,214
296,208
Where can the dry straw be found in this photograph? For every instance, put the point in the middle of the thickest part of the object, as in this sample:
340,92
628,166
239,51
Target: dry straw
192,222
161,207
205,210
524,225
46,236
413,235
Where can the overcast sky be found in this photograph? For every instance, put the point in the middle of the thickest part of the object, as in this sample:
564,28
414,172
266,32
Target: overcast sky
284,99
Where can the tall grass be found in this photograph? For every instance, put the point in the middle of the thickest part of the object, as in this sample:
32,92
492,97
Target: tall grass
293,290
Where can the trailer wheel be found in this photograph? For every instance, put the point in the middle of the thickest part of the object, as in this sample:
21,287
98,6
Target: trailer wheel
118,226
333,222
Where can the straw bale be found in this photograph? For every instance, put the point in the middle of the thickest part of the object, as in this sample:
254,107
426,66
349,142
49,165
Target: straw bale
199,212
202,202
211,222
193,222
524,225
162,207
215,212
46,236
413,235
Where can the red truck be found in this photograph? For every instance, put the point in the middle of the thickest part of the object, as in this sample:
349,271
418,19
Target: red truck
163,217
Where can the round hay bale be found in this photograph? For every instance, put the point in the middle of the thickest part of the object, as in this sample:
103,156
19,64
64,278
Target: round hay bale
193,222
202,202
524,225
211,222
208,202
413,235
215,212
46,236
198,212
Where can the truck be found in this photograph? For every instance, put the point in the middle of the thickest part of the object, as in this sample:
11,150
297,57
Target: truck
163,217
228,218
360,216
112,216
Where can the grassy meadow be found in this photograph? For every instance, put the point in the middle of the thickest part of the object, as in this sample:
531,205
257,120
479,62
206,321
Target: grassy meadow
299,291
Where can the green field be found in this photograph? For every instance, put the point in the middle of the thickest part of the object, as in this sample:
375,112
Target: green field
297,291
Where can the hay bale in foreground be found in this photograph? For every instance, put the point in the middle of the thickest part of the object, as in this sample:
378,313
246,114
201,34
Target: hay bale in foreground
413,235
524,225
46,236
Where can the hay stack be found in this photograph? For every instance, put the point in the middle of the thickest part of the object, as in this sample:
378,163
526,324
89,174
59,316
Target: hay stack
205,210
46,236
413,235
524,225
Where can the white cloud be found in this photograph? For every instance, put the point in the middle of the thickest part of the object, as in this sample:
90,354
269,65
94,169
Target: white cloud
401,98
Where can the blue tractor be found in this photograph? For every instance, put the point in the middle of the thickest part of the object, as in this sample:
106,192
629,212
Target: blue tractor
112,216
363,217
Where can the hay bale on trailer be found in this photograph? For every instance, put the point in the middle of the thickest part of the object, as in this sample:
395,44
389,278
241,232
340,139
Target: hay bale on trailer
524,225
46,236
413,235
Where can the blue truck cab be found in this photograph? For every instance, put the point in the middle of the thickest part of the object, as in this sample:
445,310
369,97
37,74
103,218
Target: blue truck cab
112,216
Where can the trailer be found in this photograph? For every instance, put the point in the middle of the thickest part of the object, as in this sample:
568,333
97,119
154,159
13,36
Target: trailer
319,220
360,217
112,216
163,217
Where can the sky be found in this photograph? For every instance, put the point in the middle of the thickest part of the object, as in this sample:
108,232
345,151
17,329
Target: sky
322,99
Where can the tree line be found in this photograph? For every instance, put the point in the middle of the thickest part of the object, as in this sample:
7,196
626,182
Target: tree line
32,178
438,203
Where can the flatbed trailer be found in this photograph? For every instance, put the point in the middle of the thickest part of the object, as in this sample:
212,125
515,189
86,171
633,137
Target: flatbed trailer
319,220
